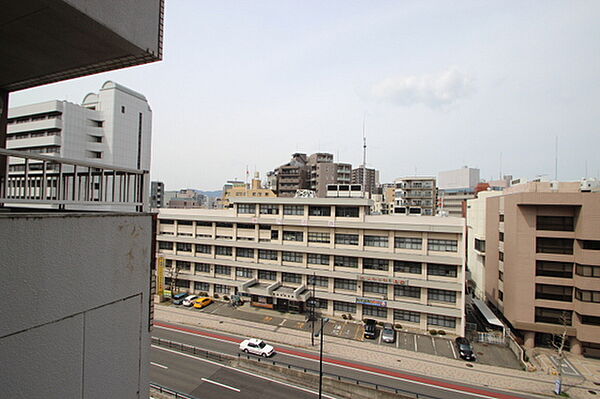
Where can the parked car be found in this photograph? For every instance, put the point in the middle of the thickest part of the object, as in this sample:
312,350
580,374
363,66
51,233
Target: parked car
257,347
202,302
465,350
370,328
189,300
178,298
388,334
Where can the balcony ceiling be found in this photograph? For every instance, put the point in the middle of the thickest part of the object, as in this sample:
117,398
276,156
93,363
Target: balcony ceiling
44,41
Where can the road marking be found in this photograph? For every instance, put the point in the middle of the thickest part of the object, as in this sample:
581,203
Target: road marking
244,372
398,340
453,351
282,322
162,366
379,340
219,384
434,348
416,346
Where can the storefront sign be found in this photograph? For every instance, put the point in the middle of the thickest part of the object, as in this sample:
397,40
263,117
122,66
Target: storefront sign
160,275
167,293
382,279
372,302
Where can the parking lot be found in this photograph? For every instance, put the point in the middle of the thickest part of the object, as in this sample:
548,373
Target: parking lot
495,355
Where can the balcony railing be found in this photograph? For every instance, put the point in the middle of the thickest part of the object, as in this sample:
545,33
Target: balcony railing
49,180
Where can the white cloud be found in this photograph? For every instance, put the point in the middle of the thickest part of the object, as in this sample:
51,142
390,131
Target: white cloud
431,90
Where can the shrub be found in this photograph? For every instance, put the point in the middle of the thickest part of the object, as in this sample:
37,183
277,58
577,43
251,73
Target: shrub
442,332
203,293
225,297
216,296
364,320
380,323
398,326
344,316
349,315
433,332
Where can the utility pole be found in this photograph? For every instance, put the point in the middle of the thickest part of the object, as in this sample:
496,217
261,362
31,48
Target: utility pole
312,311
364,177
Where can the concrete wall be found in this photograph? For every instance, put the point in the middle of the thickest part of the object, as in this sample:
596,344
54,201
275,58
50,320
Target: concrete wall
75,305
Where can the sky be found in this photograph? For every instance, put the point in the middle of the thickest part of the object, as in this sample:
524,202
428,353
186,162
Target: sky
436,85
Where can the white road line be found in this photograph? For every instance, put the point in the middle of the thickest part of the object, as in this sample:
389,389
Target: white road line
379,341
416,346
453,351
196,335
434,348
244,372
398,340
162,366
219,384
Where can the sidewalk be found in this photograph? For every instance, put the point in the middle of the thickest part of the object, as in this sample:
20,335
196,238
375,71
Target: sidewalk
539,383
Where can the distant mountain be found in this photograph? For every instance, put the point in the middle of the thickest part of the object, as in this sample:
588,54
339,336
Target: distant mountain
214,194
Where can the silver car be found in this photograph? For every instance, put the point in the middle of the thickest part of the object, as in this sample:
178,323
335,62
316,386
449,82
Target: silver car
388,334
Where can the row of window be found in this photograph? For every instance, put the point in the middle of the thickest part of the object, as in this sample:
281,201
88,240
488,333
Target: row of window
563,317
565,269
273,209
565,293
563,245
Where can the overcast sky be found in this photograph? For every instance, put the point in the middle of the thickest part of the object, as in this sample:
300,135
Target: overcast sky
441,85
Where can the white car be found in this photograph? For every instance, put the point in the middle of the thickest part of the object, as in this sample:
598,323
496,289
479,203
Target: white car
257,347
189,300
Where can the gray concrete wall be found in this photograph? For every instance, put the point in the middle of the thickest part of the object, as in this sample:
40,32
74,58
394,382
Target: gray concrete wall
75,308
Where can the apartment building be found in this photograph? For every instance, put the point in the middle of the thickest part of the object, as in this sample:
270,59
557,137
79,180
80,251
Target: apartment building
157,194
415,196
455,187
290,177
367,177
273,250
255,189
542,262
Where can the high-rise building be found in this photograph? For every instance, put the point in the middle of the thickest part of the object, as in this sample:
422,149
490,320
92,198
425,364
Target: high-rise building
415,195
157,194
542,262
291,176
455,187
273,250
367,177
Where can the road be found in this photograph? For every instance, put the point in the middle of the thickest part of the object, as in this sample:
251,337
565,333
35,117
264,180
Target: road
228,344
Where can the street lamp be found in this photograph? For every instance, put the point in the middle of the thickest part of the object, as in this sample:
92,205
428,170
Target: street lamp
321,333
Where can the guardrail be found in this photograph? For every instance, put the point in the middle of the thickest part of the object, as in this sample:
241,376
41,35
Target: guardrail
165,390
225,357
44,179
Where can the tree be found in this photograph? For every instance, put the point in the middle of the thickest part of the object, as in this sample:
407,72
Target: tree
172,270
559,341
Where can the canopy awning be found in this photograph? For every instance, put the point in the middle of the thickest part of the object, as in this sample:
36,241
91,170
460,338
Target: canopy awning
490,317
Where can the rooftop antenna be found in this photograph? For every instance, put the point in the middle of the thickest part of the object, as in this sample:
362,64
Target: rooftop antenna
364,179
556,159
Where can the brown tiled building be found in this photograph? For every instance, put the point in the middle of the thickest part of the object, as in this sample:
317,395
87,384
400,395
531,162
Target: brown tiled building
542,262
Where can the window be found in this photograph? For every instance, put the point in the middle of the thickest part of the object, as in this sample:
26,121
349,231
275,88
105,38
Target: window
344,284
346,211
407,267
167,221
553,316
222,289
554,292
318,281
480,244
590,320
223,250
441,295
184,265
220,269
292,257
345,261
225,225
203,249
408,243
587,270
554,245
293,209
434,269
441,321
202,268
407,315
293,236
376,241
500,275
264,227
344,307
587,296
375,311
184,246
291,278
553,269
501,217
245,253
590,244
269,209
247,208
267,275
243,272
185,284
165,245
555,223
346,239
500,295
318,237
200,286
376,288
122,109
376,264
245,226
501,256
406,291
318,259
185,223
267,254
274,235
442,245
320,303
319,210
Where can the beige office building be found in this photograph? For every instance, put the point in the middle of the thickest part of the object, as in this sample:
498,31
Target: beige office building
542,262
392,268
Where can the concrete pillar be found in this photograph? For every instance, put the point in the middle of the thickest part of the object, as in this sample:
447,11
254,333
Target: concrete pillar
3,122
575,346
529,341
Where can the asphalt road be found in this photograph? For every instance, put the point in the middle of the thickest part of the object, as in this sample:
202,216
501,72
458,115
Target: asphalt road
228,344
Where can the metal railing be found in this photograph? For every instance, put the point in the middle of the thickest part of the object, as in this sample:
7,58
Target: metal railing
225,357
169,391
44,179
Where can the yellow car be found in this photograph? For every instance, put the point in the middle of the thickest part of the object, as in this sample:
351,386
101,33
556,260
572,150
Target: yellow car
202,302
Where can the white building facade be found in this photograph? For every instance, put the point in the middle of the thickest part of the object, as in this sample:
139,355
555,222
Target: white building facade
400,269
